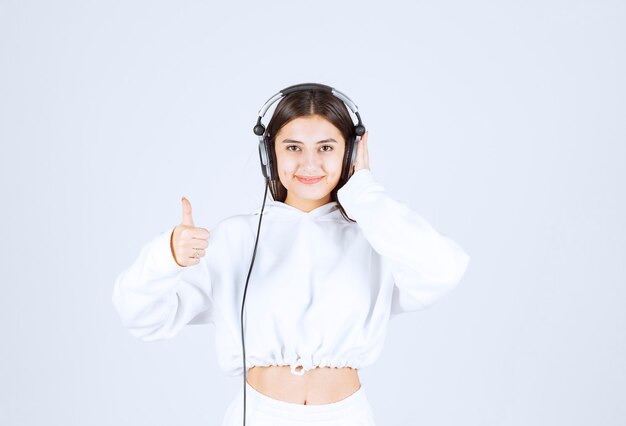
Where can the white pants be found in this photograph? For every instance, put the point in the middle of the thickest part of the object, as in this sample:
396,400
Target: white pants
261,410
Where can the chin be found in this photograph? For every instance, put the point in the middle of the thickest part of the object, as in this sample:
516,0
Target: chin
311,197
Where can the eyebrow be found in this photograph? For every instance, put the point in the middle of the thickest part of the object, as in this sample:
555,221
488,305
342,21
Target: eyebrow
324,141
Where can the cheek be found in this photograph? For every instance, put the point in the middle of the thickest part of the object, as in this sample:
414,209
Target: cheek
337,162
286,164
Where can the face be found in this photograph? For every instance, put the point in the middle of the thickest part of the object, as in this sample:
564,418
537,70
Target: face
309,147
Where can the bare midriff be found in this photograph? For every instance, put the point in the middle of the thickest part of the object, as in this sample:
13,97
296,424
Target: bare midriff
322,385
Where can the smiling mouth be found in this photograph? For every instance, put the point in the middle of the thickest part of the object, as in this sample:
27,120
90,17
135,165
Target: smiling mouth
309,179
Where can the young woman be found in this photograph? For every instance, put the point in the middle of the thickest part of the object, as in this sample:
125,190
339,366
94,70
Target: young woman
334,260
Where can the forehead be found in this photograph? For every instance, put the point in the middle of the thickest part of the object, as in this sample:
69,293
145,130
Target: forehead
310,128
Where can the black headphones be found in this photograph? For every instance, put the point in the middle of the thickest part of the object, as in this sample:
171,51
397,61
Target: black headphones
268,160
267,155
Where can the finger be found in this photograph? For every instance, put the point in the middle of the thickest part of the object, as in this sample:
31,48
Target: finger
192,236
191,261
198,244
191,244
187,219
192,253
201,233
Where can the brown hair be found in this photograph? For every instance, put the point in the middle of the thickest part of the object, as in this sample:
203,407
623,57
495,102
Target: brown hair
306,103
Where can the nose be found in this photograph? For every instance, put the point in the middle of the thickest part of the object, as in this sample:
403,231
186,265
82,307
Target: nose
310,162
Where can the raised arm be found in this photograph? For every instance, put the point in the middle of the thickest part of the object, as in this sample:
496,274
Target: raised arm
157,295
424,263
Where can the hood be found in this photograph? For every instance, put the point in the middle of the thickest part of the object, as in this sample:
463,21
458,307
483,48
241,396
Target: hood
278,210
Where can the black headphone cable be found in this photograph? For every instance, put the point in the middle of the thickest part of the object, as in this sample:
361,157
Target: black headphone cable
245,290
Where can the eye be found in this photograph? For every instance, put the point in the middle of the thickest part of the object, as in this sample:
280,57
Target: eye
288,148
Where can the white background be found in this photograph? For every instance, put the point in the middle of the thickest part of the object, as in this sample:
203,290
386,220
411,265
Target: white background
502,123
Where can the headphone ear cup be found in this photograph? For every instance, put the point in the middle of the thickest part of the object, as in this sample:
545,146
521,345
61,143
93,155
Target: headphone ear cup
349,159
271,158
265,157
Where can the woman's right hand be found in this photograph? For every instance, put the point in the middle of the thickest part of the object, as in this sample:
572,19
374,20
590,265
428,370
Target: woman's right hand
186,239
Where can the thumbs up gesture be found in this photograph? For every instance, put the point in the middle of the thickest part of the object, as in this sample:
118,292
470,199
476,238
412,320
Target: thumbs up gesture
187,242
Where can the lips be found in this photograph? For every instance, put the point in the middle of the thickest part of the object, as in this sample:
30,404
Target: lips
309,179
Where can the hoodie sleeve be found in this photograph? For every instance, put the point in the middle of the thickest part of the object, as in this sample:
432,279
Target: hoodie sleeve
424,263
155,297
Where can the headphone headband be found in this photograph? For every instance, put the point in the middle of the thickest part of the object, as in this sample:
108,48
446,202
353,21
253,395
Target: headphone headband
259,128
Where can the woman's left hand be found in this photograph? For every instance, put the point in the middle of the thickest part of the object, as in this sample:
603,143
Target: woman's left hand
362,160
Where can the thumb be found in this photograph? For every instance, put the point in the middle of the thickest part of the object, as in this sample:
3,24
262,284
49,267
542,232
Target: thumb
187,219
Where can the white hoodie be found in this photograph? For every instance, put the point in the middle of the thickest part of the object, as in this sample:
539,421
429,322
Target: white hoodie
321,290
